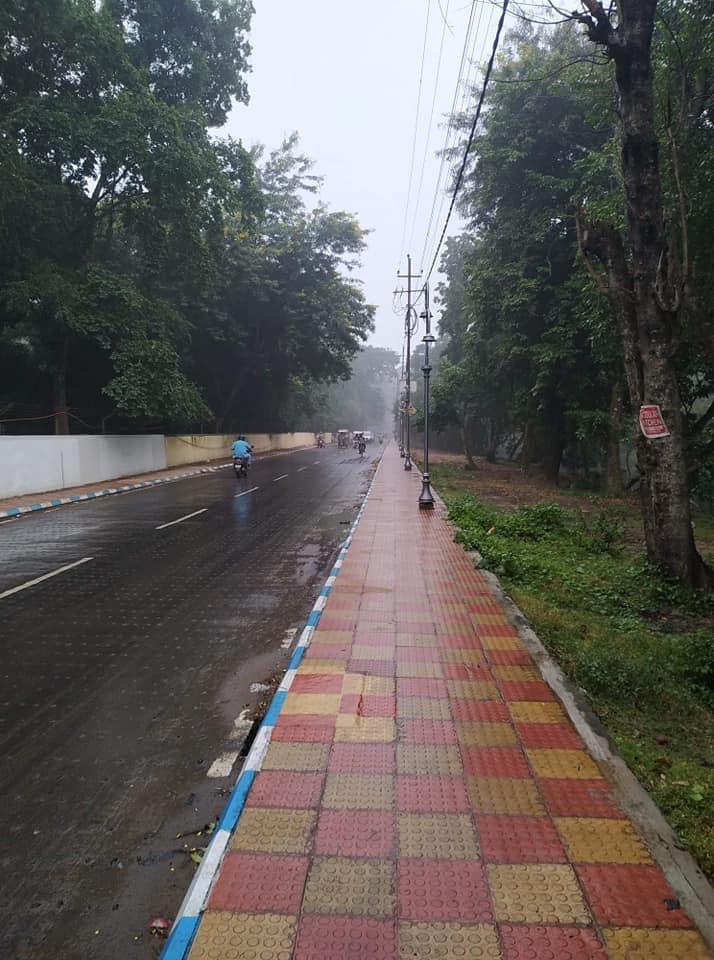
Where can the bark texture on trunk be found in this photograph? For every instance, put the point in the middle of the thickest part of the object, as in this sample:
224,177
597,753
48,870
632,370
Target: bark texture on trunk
646,295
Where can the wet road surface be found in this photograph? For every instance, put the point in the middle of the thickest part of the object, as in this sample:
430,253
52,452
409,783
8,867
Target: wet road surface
123,677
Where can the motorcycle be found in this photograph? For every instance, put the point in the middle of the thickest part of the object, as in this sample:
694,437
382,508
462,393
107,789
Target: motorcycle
240,466
320,443
361,446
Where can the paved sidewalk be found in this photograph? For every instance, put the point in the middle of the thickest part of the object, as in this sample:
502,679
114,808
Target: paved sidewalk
424,795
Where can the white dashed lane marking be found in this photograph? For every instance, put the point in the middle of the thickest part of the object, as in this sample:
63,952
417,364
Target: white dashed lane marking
188,516
46,576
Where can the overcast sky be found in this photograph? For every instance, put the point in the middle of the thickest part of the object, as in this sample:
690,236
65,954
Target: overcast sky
345,75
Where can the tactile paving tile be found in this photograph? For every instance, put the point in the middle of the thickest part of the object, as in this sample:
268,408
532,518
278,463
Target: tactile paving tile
437,836
516,690
364,651
271,830
497,630
349,886
635,944
302,728
362,758
494,762
373,667
580,798
421,758
317,683
423,708
505,796
283,788
564,764
223,935
345,938
472,689
414,640
424,794
631,895
296,756
591,840
372,705
498,643
485,734
312,703
465,671
417,654
443,890
551,943
549,735
460,641
365,729
314,662
448,941
269,883
358,791
428,670
421,687
360,683
525,711
331,636
513,657
426,731
467,655
526,673
355,833
481,710
538,893
519,840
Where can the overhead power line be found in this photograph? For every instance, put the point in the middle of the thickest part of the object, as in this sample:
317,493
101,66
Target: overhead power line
472,133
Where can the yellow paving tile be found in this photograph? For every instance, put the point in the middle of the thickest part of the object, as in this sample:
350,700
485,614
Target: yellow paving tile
331,636
360,683
564,764
594,840
241,936
423,708
448,941
365,729
536,893
296,756
348,886
267,830
463,655
318,665
489,619
315,703
515,673
636,943
500,643
472,689
434,836
505,795
430,671
425,759
358,791
486,734
535,712
362,651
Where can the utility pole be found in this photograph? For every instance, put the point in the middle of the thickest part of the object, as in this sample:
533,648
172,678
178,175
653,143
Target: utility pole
426,497
408,331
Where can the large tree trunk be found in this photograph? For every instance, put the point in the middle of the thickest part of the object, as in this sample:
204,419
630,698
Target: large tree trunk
466,443
651,320
614,471
59,389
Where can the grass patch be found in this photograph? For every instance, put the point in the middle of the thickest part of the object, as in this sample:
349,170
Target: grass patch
640,647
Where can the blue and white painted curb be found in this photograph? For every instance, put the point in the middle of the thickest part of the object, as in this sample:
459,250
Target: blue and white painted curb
94,494
189,914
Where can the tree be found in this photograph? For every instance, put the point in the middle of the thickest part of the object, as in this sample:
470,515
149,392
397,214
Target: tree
648,287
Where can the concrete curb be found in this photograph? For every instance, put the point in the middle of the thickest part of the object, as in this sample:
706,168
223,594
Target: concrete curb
681,870
189,914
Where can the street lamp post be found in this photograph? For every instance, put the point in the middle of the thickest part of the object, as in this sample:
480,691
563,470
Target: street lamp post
426,497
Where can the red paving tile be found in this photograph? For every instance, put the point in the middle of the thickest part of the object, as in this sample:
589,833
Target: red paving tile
484,710
579,798
305,728
281,788
508,658
519,840
525,690
494,762
426,794
372,668
317,682
426,731
270,884
355,833
421,687
553,735
443,890
362,758
629,895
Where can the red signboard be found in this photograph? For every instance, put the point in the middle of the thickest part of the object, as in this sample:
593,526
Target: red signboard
651,422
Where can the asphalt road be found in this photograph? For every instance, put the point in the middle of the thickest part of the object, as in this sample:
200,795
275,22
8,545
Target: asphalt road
124,679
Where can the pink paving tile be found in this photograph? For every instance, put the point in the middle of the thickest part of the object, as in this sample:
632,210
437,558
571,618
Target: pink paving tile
283,788
580,798
551,943
629,895
509,658
327,651
355,833
345,938
317,683
377,705
337,622
526,690
350,702
406,654
386,631
479,710
549,735
304,728
519,840
443,890
266,883
421,687
362,758
495,762
426,731
374,668
419,794
383,640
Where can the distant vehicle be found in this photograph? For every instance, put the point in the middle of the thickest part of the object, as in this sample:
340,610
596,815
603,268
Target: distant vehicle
343,438
368,436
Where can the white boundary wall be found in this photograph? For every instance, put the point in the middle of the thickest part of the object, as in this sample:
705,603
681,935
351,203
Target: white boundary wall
35,464
195,448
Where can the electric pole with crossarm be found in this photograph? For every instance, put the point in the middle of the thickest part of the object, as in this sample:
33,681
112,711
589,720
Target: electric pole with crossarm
409,328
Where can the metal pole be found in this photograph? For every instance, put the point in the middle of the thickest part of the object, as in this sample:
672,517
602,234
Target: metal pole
426,497
408,453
